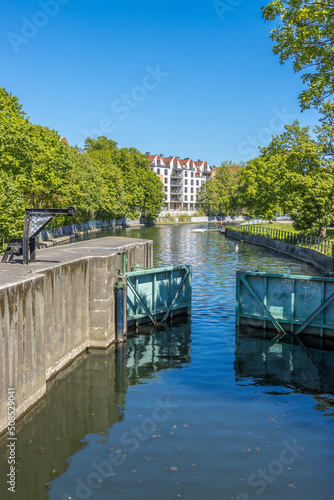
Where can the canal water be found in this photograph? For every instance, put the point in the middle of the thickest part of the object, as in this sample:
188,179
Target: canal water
188,411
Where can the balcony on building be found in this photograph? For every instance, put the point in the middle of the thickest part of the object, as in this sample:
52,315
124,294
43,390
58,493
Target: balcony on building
176,182
176,173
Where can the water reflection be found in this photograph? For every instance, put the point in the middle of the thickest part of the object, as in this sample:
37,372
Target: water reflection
292,363
158,349
235,407
88,398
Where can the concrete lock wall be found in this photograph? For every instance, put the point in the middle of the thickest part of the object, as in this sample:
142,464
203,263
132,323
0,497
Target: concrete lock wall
317,259
49,319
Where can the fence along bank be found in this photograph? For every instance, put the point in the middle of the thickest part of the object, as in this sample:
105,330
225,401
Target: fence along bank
317,252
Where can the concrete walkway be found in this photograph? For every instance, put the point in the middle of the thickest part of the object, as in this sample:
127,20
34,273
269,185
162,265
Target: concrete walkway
15,272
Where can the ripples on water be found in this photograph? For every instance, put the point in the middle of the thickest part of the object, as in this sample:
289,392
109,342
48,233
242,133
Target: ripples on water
188,411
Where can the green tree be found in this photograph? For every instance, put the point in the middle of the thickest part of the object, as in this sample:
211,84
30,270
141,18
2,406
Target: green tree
325,131
141,191
12,205
217,196
306,35
304,178
257,188
153,196
38,170
112,200
9,105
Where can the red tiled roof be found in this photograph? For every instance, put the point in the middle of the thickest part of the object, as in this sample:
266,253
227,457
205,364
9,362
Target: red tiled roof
184,162
64,140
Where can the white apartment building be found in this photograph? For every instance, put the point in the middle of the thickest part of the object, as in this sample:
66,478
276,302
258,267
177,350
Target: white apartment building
182,180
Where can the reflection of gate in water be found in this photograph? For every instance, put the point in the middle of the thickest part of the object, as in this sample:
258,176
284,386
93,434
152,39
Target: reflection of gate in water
291,304
304,368
156,294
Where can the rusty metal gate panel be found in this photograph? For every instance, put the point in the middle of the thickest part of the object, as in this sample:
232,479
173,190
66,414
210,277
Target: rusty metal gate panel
155,294
290,303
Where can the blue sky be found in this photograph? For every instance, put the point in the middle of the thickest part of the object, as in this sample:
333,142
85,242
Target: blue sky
183,78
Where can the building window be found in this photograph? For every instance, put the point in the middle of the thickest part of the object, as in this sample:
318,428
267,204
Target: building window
166,188
191,198
158,171
192,182
166,197
185,181
186,173
192,190
166,180
158,163
175,164
185,198
186,190
166,171
197,182
192,174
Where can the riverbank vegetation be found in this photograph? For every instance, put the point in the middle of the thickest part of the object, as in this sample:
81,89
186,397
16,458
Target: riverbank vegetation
38,169
290,228
294,174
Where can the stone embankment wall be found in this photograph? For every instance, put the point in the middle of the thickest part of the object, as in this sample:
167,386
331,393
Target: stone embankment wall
52,315
316,259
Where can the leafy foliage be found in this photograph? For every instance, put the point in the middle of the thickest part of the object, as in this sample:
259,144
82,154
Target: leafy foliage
257,189
294,173
306,35
38,170
305,180
217,196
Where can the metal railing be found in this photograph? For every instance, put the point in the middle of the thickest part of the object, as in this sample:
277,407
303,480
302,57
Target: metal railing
321,245
176,173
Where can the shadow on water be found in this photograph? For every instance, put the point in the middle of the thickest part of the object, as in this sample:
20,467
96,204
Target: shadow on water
297,364
88,398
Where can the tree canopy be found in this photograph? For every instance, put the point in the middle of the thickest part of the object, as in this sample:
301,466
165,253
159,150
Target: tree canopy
217,195
305,34
39,170
296,174
257,189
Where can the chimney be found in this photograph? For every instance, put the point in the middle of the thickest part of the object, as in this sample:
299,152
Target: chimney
162,156
148,153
